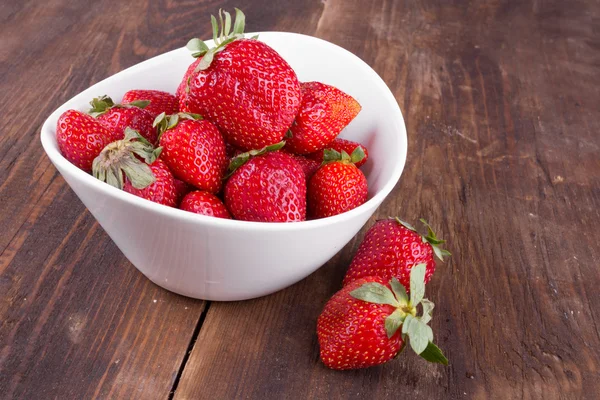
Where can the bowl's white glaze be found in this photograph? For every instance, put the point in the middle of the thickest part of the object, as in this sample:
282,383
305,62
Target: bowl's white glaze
216,259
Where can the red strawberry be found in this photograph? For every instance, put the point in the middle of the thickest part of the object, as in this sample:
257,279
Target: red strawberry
231,151
163,189
193,150
243,86
360,325
117,117
324,112
308,166
160,102
181,189
391,248
81,138
336,187
119,165
270,187
340,145
204,203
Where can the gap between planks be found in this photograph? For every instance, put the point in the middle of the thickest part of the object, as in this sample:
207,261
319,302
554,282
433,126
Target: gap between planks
189,349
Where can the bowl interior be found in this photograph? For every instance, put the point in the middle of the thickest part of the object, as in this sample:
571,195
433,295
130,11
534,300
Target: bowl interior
379,125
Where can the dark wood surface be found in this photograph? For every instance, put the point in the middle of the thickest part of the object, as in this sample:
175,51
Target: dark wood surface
501,104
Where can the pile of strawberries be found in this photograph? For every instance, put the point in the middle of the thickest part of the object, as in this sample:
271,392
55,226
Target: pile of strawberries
369,321
242,138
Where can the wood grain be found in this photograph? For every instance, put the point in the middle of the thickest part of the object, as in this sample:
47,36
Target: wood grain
503,159
76,318
501,104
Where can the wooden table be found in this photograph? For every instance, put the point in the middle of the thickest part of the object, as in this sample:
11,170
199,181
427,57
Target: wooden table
501,102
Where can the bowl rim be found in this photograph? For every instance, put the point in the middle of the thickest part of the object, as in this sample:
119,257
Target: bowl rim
48,139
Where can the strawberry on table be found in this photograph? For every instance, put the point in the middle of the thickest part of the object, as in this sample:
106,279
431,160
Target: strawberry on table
119,165
337,186
340,145
160,102
324,112
120,116
368,322
266,185
243,86
391,248
81,138
204,203
193,150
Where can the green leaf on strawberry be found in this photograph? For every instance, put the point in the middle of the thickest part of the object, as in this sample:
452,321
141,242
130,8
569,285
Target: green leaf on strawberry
222,36
417,283
433,354
404,317
242,158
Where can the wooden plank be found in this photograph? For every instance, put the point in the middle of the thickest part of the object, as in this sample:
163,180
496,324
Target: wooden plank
503,121
76,318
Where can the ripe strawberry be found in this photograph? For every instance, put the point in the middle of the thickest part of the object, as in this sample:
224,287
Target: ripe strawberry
391,248
309,166
119,165
181,189
117,117
163,189
204,203
160,102
340,145
243,86
360,325
338,186
193,150
324,112
81,138
270,187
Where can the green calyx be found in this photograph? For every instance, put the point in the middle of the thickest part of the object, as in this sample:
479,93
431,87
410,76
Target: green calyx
243,158
430,238
118,159
331,155
413,327
102,104
222,36
164,122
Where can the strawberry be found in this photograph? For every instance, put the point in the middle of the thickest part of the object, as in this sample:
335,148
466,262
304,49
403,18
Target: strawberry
266,185
119,165
117,117
391,248
368,322
204,203
160,102
308,166
324,112
81,138
340,145
193,150
337,186
162,191
181,189
243,86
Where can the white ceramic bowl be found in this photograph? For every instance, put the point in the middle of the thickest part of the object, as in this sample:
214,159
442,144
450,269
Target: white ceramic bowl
217,259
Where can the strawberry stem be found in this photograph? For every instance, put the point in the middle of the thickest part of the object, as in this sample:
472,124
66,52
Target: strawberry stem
118,158
414,328
222,36
430,238
243,158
